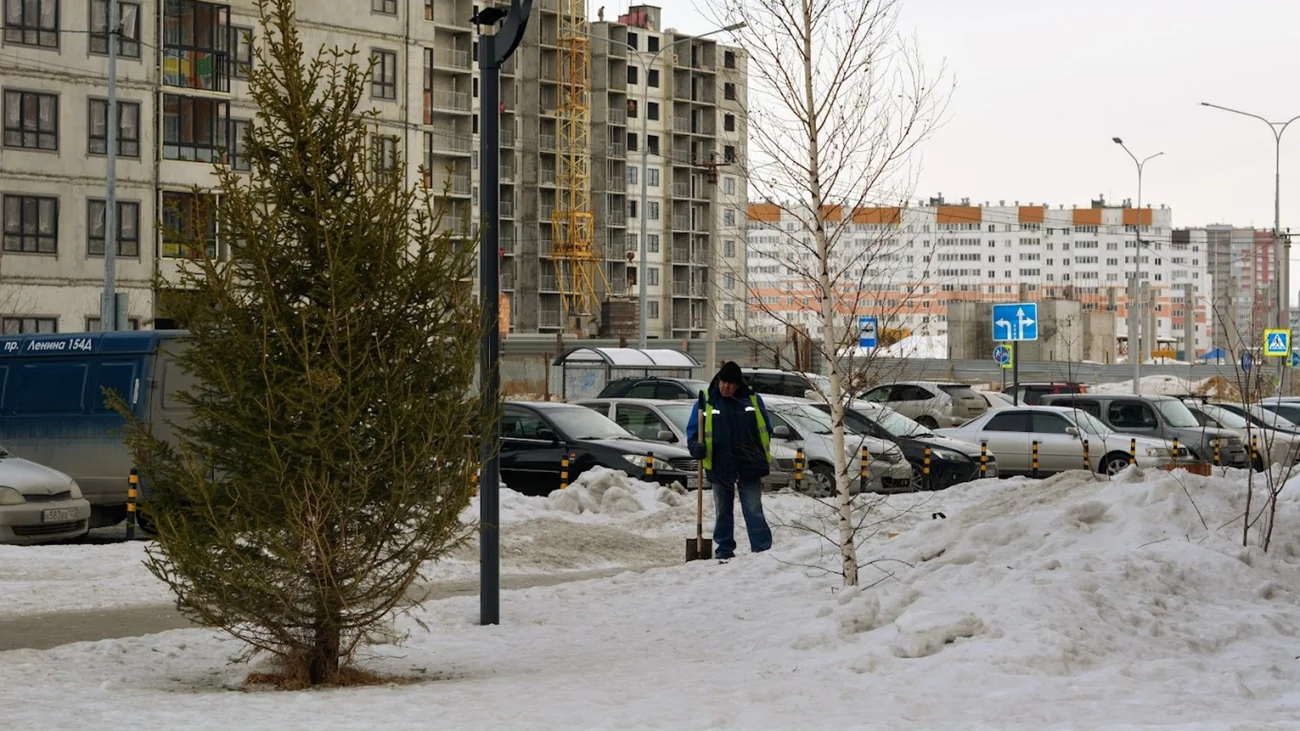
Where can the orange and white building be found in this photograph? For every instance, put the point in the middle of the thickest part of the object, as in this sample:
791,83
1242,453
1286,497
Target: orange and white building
905,264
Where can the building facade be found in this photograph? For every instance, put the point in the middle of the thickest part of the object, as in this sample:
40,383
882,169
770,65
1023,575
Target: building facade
183,105
907,264
1242,267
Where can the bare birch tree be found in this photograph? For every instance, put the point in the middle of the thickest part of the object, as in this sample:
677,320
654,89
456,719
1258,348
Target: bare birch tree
839,102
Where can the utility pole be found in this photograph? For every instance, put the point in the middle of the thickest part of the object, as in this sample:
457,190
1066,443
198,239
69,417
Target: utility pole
108,302
1135,348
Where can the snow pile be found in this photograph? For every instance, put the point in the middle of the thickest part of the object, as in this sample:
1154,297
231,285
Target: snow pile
1153,386
602,490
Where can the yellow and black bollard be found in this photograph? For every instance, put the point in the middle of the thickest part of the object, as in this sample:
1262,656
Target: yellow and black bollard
1087,460
132,496
1132,451
862,468
564,472
1217,458
1034,465
798,470
1254,450
1175,452
925,470
984,459
649,466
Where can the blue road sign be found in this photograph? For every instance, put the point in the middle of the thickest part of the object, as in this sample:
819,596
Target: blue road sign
1294,360
1002,356
1247,360
1016,321
1277,343
867,332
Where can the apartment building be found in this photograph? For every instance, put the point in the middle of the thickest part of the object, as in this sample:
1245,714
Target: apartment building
1244,272
907,263
184,104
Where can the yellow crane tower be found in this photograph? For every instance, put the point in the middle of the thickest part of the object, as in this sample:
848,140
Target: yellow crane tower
572,237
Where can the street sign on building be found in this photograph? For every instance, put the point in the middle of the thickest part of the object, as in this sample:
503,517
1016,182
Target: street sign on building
867,332
1277,343
1016,321
1003,356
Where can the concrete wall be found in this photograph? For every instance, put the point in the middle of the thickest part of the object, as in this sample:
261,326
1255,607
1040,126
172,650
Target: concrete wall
1099,330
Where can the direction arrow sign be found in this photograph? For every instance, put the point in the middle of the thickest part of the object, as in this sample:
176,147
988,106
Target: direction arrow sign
1015,321
1294,360
1002,356
867,332
1277,343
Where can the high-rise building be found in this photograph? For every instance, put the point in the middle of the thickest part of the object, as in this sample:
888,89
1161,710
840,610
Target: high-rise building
906,264
183,104
1241,265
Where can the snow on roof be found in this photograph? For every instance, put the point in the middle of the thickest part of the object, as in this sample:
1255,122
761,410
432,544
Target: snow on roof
666,358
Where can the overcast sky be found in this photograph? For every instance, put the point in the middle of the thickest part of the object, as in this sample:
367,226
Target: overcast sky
1043,86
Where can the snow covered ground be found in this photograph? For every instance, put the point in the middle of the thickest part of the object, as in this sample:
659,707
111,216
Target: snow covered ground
1013,604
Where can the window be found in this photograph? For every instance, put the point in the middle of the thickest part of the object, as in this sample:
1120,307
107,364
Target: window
729,153
631,209
383,151
631,175
1131,415
652,243
729,281
632,72
652,177
128,128
1012,421
729,185
652,78
729,91
383,82
729,312
652,312
632,40
241,51
31,224
631,142
729,59
194,128
195,35
652,210
729,122
652,44
631,108
127,225
1045,423
522,425
128,21
237,156
652,144
182,215
387,7
652,111
31,120
729,248
652,276
32,23
92,324
642,422
729,217
18,325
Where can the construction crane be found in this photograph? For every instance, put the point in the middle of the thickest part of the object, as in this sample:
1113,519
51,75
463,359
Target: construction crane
573,247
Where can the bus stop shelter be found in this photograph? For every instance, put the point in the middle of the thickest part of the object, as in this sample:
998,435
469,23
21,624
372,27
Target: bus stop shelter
584,371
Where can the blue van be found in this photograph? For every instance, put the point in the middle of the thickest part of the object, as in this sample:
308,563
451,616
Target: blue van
53,409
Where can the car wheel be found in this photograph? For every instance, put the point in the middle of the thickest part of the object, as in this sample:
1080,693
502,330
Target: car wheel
929,422
820,482
1114,463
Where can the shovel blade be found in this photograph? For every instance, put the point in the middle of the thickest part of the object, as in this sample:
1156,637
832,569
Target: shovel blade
697,550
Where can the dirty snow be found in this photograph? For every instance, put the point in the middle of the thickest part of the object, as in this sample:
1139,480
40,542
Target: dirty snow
1071,602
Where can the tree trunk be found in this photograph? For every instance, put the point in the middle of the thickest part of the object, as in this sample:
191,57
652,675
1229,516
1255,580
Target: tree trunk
324,664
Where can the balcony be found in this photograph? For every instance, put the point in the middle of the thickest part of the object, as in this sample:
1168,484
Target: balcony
682,92
617,149
544,212
681,223
616,218
681,289
548,283
618,116
546,177
681,124
508,136
616,183
457,185
549,73
506,243
507,172
450,141
549,318
447,101
681,190
544,247
508,279
546,142
682,157
444,15
195,36
450,58
506,209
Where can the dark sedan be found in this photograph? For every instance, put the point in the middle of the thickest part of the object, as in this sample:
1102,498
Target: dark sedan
654,387
535,436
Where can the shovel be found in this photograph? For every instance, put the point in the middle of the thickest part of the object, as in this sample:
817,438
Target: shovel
698,549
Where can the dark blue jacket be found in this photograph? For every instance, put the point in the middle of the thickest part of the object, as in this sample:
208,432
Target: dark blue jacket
738,453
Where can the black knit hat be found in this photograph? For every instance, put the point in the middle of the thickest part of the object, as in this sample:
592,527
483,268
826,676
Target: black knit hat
730,373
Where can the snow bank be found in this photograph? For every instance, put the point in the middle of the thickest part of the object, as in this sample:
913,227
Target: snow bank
602,490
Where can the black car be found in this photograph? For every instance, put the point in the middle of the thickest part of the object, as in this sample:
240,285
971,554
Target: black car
654,387
951,461
535,436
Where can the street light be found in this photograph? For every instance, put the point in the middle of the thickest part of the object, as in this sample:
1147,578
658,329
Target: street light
1135,319
1281,252
645,160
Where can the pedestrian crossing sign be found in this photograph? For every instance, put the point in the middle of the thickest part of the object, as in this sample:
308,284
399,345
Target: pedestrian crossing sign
1277,343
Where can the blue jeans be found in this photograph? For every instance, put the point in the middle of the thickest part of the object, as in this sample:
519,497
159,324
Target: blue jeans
751,507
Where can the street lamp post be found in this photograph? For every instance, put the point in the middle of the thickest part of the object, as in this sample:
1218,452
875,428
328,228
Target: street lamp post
645,160
1281,251
1135,319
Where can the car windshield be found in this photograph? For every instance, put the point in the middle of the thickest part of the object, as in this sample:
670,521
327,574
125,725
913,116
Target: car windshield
893,422
1226,419
4,453
1177,413
580,422
821,383
1090,423
678,414
696,386
806,417
1268,418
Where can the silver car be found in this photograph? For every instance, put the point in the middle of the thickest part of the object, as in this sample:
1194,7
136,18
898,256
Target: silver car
930,403
38,504
1060,432
799,424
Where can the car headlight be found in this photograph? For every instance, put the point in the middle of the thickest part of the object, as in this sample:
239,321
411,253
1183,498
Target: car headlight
1157,452
75,489
10,496
949,455
636,459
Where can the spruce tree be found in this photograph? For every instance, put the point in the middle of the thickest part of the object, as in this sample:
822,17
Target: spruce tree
332,440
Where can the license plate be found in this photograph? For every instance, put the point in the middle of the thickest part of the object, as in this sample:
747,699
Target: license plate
59,515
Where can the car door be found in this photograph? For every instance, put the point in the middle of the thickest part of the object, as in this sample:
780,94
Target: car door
1007,434
1058,450
643,422
911,400
530,452
1133,416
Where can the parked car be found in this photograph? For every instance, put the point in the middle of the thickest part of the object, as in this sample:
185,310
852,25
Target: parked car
951,461
1059,431
1159,417
535,437
1031,394
930,403
1275,446
996,399
1261,416
653,387
776,382
1287,409
39,504
798,424
665,421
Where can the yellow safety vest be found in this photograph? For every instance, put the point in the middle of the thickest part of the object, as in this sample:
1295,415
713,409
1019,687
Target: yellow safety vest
763,437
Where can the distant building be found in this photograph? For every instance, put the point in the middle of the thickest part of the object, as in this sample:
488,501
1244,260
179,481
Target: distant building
1241,266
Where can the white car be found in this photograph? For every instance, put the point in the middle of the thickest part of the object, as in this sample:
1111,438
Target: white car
38,504
1275,445
931,404
799,424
